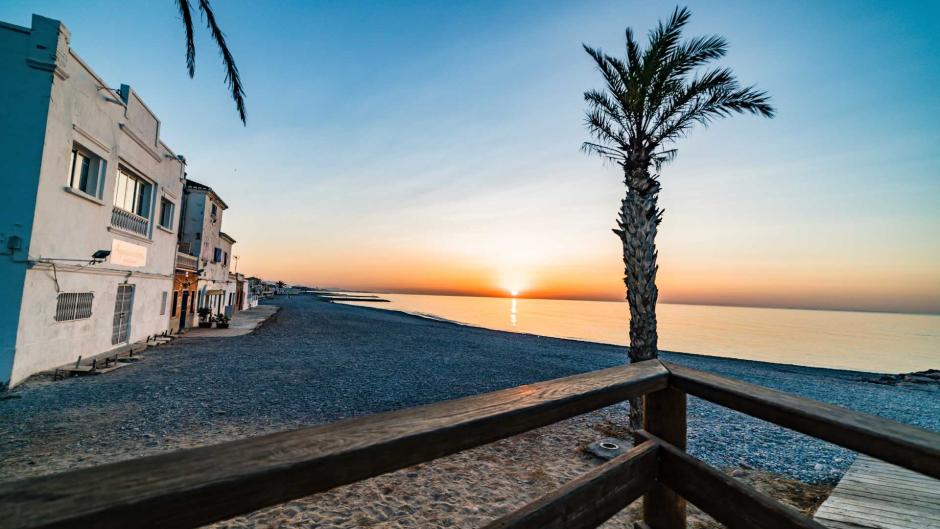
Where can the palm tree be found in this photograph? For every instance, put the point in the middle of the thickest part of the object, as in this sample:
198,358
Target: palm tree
232,78
654,97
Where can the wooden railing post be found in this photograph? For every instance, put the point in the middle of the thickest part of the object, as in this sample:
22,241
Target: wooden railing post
665,417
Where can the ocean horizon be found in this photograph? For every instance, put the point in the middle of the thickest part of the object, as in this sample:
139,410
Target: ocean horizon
881,342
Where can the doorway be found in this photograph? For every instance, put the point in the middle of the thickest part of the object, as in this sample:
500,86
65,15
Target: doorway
123,308
184,310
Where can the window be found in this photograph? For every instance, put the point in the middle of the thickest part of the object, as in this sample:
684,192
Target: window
166,213
173,306
217,256
132,194
225,258
214,210
163,303
73,306
86,172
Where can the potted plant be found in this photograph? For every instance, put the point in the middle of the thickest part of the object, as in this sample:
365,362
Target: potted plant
221,321
205,317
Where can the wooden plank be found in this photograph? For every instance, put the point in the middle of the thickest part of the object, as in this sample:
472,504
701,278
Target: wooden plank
879,511
591,499
899,474
880,483
888,496
81,370
876,495
665,417
901,444
726,499
190,488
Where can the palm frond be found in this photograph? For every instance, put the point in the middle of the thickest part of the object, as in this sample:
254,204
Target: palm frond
612,109
684,96
663,157
186,12
610,75
633,51
720,101
663,42
659,91
232,76
604,131
605,152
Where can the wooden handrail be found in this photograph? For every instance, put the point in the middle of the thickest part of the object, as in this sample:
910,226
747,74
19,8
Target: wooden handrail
665,417
901,444
592,498
726,499
190,488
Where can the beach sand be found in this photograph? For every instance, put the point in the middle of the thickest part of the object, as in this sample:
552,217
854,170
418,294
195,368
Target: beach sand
316,362
471,488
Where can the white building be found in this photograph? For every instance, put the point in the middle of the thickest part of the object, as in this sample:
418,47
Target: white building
201,236
84,170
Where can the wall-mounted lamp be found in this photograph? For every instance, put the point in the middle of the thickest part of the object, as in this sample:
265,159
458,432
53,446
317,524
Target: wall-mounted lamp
99,256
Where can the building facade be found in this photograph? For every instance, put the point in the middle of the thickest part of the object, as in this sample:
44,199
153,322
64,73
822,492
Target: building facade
202,238
185,284
88,236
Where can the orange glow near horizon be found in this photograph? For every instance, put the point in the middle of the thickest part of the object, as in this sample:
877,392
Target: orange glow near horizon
680,281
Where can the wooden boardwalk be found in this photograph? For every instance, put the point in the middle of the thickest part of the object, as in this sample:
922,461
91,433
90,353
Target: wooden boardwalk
876,495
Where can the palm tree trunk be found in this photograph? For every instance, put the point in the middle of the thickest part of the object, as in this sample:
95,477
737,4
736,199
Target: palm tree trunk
639,218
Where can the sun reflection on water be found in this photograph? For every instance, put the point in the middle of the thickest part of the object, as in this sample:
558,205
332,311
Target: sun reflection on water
512,313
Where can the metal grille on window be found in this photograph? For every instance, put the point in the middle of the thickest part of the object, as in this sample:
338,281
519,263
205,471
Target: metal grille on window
73,306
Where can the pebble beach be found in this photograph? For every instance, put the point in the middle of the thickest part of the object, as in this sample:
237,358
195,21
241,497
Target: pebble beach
316,362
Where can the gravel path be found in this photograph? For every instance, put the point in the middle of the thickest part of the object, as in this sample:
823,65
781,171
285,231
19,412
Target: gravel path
317,362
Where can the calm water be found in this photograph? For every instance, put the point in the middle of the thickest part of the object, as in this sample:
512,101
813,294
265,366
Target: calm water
859,341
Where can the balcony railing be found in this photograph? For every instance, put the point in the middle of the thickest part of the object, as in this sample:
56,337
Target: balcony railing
128,221
184,261
193,487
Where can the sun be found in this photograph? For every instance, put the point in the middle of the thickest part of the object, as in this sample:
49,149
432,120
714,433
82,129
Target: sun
513,293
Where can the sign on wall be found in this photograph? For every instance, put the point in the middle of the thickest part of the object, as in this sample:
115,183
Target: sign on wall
128,254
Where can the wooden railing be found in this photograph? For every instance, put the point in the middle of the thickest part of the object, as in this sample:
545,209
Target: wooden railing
131,222
194,487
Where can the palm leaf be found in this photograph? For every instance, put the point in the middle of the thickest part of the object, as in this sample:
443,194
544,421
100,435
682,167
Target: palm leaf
231,70
186,12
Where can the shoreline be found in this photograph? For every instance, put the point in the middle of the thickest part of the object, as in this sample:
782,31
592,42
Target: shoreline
770,365
728,305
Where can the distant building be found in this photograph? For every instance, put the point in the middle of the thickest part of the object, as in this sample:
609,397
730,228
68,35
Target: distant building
202,238
256,288
84,172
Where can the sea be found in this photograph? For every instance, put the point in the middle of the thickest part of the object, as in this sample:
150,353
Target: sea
858,341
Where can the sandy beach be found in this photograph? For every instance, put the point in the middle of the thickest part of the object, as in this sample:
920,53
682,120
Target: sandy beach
317,362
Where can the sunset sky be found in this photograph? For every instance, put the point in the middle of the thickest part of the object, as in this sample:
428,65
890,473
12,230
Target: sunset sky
430,147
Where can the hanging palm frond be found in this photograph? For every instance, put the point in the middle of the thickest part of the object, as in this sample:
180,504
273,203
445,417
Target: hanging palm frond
232,77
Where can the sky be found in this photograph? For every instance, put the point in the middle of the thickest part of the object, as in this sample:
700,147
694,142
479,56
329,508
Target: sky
433,147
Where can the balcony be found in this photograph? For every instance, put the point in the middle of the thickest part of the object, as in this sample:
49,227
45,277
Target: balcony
184,261
127,221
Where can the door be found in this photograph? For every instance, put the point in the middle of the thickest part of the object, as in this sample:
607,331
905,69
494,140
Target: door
183,310
123,306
